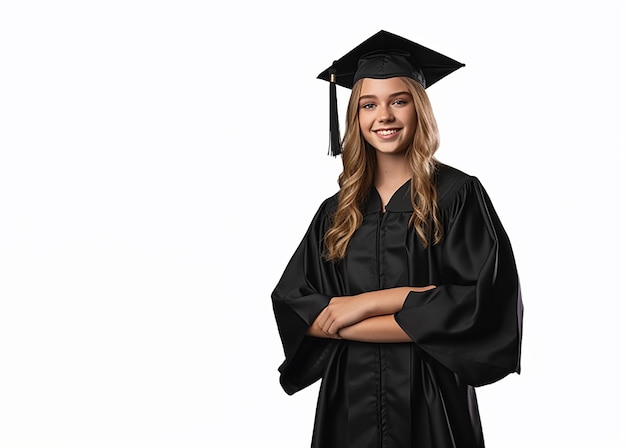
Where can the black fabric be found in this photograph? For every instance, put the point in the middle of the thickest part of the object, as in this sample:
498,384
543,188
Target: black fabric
390,64
466,332
414,60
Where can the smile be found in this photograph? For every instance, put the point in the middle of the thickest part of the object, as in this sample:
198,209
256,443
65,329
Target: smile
387,132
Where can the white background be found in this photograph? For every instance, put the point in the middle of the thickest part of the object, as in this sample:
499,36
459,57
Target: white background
160,161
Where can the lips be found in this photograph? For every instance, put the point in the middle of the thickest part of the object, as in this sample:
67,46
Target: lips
387,132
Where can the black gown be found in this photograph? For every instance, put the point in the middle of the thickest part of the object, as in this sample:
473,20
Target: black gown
465,333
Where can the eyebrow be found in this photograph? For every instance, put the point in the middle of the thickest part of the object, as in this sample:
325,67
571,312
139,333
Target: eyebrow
390,96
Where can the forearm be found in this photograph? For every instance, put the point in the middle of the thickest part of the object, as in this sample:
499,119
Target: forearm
345,311
389,301
382,329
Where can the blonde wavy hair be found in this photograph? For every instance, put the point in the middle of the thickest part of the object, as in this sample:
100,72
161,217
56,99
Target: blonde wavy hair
359,163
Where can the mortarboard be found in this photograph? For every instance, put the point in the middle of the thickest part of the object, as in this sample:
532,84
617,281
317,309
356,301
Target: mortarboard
384,55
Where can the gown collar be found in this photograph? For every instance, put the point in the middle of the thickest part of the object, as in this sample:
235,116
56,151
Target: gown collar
400,201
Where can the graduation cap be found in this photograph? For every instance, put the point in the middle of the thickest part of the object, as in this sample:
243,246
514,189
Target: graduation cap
384,55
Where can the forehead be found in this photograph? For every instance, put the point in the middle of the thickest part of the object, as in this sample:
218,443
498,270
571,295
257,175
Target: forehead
382,87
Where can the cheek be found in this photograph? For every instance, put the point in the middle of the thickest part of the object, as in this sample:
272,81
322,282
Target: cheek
413,126
361,121
364,122
411,121
363,126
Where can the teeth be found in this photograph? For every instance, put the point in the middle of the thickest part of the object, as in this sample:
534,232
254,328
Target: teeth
387,131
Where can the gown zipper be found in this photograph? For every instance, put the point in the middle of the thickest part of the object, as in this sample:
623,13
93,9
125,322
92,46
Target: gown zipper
379,397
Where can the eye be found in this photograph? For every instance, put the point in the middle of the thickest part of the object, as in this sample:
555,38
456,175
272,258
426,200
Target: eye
367,106
400,102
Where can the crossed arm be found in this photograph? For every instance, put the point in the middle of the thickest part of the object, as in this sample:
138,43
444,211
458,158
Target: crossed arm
366,317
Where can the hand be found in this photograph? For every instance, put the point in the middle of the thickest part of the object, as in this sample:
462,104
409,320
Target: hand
342,312
345,311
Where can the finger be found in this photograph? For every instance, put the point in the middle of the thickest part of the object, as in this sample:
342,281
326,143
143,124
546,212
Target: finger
322,318
335,326
325,325
331,328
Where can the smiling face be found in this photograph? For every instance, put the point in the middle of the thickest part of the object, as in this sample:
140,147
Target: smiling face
387,115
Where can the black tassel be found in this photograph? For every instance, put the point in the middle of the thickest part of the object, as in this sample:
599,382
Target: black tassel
335,140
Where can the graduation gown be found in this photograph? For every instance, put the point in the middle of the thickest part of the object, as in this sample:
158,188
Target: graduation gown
465,333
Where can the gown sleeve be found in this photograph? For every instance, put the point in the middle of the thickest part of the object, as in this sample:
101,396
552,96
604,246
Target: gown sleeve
471,322
304,290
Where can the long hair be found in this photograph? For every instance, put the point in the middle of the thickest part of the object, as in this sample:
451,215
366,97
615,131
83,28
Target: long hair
359,163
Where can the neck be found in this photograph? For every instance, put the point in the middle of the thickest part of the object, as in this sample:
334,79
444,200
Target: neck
391,170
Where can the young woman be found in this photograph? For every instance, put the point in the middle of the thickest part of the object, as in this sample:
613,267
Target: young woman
403,295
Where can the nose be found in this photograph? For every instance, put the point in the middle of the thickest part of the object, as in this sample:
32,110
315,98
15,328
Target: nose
385,114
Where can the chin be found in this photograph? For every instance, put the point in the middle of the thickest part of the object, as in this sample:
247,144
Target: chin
392,151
